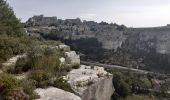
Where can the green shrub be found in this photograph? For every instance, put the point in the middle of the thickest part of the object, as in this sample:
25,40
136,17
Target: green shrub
8,69
17,94
29,86
63,70
76,66
43,58
22,65
10,88
40,76
8,22
122,88
11,46
8,82
62,84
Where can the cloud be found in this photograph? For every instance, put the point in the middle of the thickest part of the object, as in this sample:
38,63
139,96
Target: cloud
88,16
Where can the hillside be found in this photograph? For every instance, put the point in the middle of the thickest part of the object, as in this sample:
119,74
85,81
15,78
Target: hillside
32,68
35,67
143,48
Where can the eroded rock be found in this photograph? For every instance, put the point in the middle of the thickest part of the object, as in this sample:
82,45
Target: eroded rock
52,93
72,57
91,83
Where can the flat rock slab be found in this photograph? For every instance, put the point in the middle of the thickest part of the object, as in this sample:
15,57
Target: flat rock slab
53,93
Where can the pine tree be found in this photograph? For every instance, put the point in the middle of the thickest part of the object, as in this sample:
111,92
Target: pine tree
9,24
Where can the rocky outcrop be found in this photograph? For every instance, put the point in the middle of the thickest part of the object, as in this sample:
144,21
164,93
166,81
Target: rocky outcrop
159,37
72,29
91,83
111,36
143,48
64,47
72,58
52,93
41,21
101,90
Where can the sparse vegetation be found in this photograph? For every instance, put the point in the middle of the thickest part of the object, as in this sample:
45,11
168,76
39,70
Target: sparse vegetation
62,84
8,82
21,65
10,88
129,86
29,86
40,76
41,63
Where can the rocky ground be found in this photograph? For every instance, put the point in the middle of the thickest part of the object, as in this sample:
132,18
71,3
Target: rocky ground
52,93
143,48
91,82
84,81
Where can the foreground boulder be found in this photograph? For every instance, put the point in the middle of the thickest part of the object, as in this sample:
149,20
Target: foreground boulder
91,83
101,90
55,94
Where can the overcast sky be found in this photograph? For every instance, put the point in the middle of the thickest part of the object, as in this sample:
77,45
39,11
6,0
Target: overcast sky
132,13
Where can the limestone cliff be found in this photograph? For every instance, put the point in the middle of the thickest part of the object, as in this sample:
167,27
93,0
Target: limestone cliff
143,48
158,37
73,29
91,83
101,90
53,93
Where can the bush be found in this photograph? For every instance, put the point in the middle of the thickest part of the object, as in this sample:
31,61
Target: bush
41,77
43,59
62,84
18,94
10,46
121,87
8,69
63,70
10,88
22,65
8,82
28,86
76,66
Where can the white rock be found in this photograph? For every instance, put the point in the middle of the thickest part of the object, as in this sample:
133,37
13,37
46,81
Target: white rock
72,57
79,79
21,76
52,93
64,47
62,60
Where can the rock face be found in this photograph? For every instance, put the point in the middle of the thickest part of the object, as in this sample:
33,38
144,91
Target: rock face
101,90
143,48
72,57
158,37
41,21
74,29
52,93
64,47
91,83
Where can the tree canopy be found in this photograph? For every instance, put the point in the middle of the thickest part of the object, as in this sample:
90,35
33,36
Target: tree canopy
9,23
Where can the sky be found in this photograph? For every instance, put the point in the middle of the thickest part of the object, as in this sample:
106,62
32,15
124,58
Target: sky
132,13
